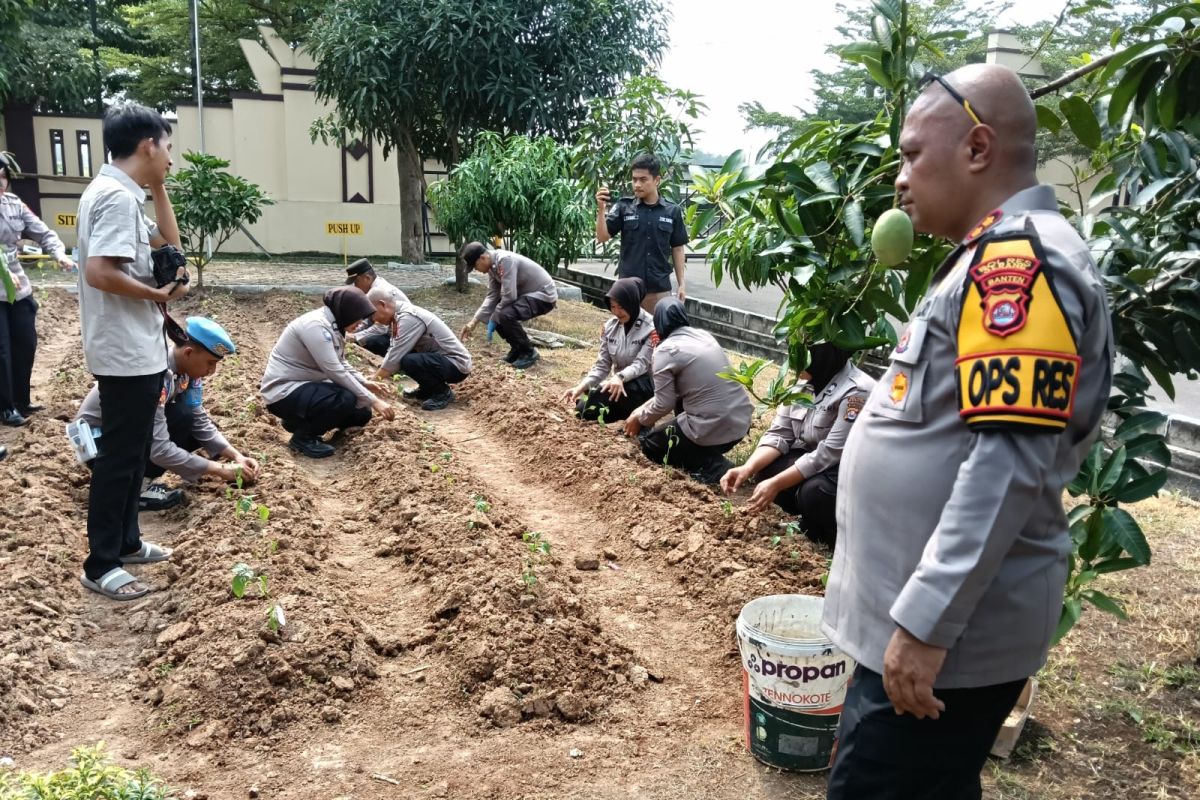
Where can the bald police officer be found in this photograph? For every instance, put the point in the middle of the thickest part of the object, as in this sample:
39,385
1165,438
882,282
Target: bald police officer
947,581
181,425
375,338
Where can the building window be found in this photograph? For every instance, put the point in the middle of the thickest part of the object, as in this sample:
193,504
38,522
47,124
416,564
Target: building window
58,153
83,141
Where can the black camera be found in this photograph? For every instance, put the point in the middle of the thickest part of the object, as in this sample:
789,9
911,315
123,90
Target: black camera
168,260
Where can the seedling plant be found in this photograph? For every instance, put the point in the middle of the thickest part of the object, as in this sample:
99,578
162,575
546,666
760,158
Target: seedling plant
538,548
789,536
245,576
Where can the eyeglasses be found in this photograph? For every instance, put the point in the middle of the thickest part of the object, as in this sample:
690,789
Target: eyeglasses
930,77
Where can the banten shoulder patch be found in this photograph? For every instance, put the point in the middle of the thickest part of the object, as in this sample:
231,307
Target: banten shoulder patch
1017,361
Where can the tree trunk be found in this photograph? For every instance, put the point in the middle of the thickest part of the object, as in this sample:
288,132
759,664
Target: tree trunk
454,150
412,202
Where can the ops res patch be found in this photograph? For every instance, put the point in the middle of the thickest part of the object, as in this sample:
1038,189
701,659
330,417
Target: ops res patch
1017,361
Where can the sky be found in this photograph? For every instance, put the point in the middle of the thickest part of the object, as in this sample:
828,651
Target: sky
733,51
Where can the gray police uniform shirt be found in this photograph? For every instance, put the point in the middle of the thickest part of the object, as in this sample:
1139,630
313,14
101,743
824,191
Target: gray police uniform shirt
950,515
378,329
18,222
177,388
511,276
311,350
629,353
121,336
418,330
821,431
648,233
715,411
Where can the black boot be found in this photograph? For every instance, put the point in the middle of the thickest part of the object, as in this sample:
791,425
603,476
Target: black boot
12,418
711,473
513,355
527,359
437,402
308,445
31,409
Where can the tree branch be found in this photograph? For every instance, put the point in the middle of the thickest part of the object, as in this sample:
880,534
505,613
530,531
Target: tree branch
1072,76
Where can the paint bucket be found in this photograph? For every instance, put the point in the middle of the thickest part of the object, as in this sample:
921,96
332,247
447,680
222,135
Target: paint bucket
795,681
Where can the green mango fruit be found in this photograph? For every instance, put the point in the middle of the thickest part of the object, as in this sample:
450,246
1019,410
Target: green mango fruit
892,237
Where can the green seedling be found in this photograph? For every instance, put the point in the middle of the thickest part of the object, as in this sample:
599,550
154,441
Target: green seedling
445,455
481,504
601,416
790,532
538,548
276,618
672,440
243,576
727,508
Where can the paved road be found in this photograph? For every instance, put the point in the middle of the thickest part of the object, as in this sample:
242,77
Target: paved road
766,301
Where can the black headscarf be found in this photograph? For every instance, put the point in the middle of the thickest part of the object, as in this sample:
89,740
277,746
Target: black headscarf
628,294
349,305
825,361
669,316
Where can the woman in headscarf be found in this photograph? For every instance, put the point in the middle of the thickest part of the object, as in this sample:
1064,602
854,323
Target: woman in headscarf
18,308
796,462
619,381
309,385
711,414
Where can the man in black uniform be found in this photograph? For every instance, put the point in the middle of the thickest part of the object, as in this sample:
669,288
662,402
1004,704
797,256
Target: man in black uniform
652,232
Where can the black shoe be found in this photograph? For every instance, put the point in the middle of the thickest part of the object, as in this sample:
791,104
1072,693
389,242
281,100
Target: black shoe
308,445
439,401
31,409
3,452
710,474
157,497
526,359
416,394
12,418
513,354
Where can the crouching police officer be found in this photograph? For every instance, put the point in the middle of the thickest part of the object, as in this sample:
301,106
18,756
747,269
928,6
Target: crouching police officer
422,347
181,425
376,338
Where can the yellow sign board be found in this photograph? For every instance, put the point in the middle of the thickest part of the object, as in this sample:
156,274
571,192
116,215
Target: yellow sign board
64,220
344,228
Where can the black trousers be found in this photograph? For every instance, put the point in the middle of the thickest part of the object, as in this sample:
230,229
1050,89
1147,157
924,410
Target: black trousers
316,408
670,446
18,345
377,343
814,500
637,391
887,757
127,407
431,371
509,319
180,417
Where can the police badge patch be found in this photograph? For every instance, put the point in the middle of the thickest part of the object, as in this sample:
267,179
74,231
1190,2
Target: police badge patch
854,404
1004,285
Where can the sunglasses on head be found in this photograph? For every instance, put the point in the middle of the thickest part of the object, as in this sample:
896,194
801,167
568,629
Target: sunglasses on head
931,77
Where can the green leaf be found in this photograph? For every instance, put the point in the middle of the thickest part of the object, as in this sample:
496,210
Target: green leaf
821,174
1142,488
1082,120
1103,602
1125,531
1126,90
1072,608
852,215
1111,472
1048,119
1114,565
1140,424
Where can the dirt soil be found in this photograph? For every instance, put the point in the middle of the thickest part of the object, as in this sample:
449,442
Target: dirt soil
432,650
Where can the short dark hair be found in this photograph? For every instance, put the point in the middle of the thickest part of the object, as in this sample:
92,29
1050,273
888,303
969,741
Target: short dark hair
126,125
648,162
471,252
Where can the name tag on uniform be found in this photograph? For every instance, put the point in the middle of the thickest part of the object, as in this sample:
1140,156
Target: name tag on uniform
664,219
908,349
631,217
